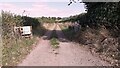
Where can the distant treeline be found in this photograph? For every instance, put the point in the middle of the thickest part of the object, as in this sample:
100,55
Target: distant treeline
48,19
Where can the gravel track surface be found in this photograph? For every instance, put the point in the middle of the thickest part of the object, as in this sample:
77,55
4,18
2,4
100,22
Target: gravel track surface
68,54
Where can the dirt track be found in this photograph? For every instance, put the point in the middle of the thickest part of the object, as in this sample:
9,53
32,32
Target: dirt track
69,54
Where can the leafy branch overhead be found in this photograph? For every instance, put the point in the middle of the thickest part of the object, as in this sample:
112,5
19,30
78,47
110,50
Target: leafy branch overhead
100,13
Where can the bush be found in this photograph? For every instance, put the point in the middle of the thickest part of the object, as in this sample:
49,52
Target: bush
15,47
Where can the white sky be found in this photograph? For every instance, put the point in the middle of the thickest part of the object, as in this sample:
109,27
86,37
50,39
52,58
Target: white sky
35,0
46,8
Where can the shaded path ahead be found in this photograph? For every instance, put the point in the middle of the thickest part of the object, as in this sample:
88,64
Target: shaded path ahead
69,54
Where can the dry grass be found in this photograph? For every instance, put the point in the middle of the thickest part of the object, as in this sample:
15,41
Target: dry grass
102,42
16,50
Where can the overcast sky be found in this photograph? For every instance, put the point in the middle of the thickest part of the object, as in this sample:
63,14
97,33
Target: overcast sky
38,8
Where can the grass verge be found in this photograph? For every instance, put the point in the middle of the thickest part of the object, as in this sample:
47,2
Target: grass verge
54,42
16,51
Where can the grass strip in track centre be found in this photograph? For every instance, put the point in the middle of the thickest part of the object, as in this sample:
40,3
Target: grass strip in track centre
54,41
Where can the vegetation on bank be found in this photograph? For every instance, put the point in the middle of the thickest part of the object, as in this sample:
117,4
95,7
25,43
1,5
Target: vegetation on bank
0,41
100,29
15,48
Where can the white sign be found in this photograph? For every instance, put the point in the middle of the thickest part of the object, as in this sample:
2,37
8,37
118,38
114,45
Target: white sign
26,30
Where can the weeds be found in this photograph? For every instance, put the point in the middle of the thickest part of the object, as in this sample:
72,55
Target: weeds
15,48
54,42
101,42
13,54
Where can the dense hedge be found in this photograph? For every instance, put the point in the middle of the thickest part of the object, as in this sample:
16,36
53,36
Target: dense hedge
15,47
105,13
100,26
99,14
28,21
